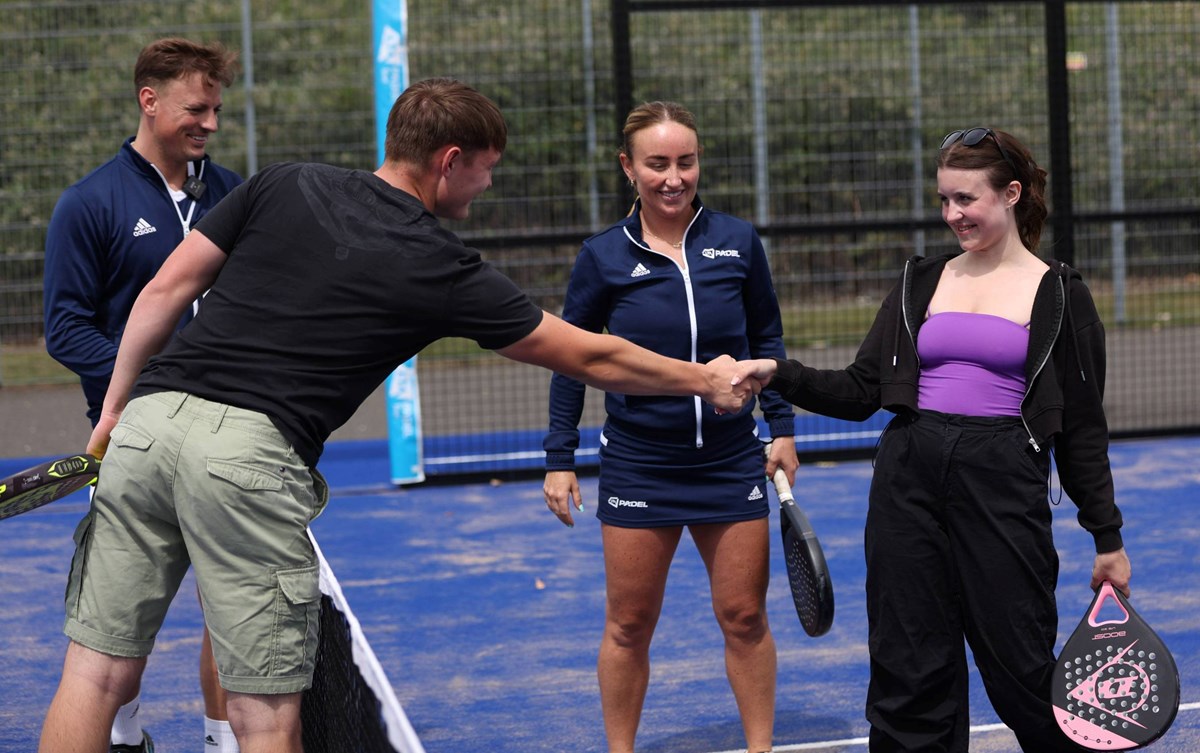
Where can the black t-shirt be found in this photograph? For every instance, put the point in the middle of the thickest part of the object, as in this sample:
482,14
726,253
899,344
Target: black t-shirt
334,278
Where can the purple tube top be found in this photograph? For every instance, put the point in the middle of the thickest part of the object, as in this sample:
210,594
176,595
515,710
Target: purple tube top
972,364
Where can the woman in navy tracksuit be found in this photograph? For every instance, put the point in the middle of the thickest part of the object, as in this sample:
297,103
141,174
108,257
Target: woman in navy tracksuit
990,358
690,283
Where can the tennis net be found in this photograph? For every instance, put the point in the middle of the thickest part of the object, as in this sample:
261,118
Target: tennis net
351,705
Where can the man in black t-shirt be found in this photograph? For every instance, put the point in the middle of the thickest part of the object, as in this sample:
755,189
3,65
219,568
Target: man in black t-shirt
321,281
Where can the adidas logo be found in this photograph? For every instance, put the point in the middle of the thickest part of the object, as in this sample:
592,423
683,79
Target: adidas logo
208,740
755,495
639,271
143,228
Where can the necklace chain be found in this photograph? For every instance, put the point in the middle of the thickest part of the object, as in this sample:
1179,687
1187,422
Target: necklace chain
646,230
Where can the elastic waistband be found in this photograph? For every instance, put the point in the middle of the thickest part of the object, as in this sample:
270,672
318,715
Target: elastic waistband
983,423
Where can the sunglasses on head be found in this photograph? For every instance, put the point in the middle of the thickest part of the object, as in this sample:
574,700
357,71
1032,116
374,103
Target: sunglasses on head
972,137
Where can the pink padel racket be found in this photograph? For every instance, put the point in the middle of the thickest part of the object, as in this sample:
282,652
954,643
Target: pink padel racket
1116,686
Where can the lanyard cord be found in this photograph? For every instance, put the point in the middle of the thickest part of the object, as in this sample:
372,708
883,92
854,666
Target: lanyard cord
184,222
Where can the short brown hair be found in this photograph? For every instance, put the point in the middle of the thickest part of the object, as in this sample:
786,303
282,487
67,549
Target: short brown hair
440,112
173,58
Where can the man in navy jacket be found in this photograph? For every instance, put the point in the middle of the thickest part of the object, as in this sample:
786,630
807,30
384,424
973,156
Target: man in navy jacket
109,234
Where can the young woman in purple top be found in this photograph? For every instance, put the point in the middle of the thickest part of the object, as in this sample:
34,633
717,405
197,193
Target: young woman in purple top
990,358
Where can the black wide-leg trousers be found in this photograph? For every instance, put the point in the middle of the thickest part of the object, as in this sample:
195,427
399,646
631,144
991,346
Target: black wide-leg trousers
959,544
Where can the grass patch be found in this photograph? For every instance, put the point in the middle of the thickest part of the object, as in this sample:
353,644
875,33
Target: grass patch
29,364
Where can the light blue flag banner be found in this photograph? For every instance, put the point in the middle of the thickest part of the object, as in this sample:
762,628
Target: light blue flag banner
403,393
404,425
391,62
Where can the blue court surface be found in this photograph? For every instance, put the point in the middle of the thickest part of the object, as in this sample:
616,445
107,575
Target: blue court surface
485,613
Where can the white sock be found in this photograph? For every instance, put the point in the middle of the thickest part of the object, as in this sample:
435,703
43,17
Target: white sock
127,728
218,737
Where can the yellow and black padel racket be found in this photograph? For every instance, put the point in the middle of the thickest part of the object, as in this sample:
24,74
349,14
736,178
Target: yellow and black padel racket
45,483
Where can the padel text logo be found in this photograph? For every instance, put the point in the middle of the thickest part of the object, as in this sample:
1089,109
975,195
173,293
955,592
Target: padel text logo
712,253
617,502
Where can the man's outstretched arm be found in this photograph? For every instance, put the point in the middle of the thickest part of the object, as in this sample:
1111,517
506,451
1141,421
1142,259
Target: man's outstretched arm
616,365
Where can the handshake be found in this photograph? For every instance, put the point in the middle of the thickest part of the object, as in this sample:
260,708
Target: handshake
732,383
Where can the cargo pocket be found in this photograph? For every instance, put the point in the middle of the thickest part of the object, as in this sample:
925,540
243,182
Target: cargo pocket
78,561
297,618
245,475
321,489
124,435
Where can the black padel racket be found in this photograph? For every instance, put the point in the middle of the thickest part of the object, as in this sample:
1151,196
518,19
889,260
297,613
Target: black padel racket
42,484
1116,686
808,575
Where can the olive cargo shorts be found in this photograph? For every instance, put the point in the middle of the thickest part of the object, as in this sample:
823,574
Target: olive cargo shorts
185,482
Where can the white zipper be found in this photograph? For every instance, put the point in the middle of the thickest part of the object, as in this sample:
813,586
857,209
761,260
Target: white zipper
697,403
904,315
1042,365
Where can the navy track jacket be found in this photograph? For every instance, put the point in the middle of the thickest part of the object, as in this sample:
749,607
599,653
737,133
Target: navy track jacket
109,234
722,303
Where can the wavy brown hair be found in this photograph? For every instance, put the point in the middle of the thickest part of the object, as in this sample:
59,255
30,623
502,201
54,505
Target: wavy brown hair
174,57
1031,210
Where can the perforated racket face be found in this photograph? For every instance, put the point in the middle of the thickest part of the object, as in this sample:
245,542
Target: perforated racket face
1116,686
46,483
808,575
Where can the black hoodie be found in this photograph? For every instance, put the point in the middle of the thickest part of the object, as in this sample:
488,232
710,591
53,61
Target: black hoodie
1064,376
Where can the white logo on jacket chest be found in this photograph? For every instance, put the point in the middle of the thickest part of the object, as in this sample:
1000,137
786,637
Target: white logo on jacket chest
143,228
639,271
712,253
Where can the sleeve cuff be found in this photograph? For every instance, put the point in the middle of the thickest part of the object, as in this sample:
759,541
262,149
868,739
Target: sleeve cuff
782,427
1108,541
560,461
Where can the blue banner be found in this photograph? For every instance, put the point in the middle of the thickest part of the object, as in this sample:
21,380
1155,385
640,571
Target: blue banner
403,393
391,62
404,425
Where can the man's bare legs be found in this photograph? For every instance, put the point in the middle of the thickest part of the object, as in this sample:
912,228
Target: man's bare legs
218,733
94,685
266,723
92,688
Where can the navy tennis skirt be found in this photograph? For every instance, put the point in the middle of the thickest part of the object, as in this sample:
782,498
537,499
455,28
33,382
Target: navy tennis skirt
646,483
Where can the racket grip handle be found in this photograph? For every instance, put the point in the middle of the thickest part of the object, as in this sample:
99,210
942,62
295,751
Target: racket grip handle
782,487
